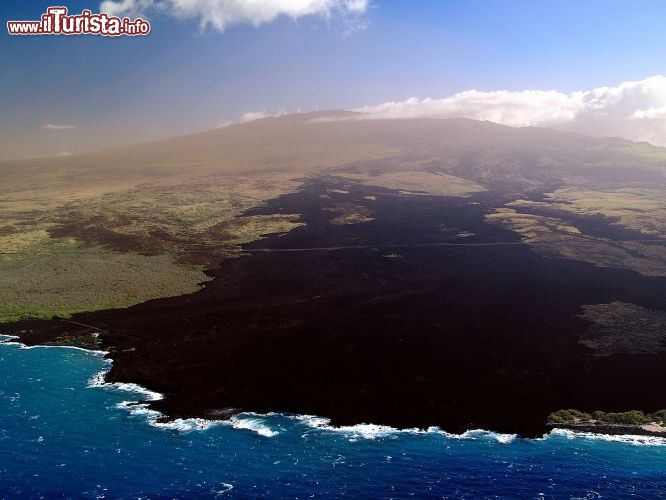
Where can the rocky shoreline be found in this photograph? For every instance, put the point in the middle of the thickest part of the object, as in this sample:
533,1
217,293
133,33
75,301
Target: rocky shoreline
613,429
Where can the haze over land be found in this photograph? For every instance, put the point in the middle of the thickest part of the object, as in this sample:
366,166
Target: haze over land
574,67
183,197
328,206
298,218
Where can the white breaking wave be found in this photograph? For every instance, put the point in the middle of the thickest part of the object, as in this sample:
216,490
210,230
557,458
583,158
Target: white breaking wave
245,421
186,424
94,352
632,439
139,409
481,434
224,488
97,380
136,408
251,422
258,424
354,432
311,420
142,409
154,418
374,431
11,340
371,431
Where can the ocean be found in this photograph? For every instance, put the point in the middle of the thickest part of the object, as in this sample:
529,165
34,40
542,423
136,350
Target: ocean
66,434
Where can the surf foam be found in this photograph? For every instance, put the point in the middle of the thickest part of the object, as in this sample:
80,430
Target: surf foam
12,340
251,422
633,439
375,431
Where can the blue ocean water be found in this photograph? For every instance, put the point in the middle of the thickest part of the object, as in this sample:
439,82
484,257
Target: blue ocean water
65,434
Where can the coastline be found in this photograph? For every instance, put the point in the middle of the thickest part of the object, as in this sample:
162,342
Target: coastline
288,446
253,421
266,334
14,340
612,429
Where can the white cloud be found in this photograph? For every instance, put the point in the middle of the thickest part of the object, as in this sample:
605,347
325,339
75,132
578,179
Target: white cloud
635,110
220,14
650,113
52,126
251,116
129,8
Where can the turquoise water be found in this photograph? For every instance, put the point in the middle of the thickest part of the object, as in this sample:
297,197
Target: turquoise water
64,434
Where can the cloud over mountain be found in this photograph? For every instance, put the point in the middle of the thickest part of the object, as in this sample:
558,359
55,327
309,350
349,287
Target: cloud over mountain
635,110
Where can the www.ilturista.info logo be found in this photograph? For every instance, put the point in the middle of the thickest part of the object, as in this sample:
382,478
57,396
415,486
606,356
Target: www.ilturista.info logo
57,22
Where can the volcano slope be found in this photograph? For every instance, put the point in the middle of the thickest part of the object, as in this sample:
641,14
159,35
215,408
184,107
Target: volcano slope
405,272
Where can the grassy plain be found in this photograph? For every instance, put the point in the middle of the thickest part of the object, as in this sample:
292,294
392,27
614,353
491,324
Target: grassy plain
560,225
58,277
91,245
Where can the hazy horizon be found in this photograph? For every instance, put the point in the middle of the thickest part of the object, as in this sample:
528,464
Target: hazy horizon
571,67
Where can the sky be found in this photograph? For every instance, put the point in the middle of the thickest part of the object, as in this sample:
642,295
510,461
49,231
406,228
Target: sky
592,67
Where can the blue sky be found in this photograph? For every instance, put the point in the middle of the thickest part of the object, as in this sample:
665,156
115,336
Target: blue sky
182,79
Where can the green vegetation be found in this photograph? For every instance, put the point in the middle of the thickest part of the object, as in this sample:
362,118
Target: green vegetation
633,417
91,340
568,416
103,243
55,278
9,314
659,416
